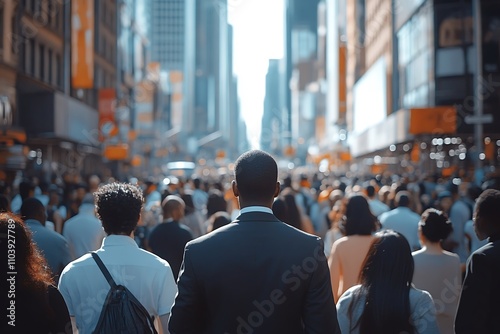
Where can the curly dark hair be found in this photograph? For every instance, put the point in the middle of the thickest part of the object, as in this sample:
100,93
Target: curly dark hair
32,268
118,206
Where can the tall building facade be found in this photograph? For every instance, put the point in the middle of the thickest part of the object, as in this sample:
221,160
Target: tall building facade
412,81
272,118
168,20
53,94
301,45
192,39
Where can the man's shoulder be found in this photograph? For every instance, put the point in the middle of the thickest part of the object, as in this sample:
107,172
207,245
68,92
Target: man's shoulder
45,233
141,257
490,250
234,230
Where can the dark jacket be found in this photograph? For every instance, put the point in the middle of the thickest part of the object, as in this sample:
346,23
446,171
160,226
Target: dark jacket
479,307
255,275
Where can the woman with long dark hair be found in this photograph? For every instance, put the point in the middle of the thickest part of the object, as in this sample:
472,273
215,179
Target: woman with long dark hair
294,217
436,270
38,305
385,301
348,253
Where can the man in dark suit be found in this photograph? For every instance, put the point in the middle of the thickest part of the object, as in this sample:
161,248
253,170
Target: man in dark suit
257,274
168,239
479,307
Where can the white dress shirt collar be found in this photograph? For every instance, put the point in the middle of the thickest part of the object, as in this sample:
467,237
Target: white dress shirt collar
256,209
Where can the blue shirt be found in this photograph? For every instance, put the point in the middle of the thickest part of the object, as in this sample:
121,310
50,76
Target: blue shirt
53,245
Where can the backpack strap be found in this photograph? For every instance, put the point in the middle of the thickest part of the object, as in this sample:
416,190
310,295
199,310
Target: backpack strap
104,270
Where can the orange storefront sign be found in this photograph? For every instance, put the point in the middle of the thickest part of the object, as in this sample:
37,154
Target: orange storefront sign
116,152
82,44
435,120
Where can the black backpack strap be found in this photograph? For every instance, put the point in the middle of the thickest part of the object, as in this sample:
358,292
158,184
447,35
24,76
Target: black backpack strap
104,270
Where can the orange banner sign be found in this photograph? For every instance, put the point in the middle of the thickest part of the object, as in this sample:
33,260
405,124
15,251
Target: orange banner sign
82,44
106,107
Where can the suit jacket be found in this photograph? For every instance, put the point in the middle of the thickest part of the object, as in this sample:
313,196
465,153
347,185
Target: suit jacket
479,307
167,240
255,275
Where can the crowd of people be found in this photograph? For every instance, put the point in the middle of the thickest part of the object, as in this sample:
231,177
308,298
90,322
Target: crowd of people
258,252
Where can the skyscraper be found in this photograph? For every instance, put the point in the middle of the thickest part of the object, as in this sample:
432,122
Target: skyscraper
167,33
191,39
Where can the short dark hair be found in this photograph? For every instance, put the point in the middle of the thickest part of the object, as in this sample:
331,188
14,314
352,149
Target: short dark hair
256,175
118,206
187,197
370,191
488,207
218,220
25,187
215,202
435,225
403,198
196,183
31,208
280,209
359,219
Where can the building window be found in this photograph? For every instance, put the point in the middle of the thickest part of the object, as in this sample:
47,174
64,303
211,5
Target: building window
50,75
57,72
42,63
31,57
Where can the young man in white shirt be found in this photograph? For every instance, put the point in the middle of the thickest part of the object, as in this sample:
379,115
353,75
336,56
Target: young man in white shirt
147,276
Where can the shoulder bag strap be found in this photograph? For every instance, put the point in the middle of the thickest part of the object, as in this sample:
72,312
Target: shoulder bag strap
103,268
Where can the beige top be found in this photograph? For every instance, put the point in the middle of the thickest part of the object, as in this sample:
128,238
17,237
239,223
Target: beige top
440,275
346,258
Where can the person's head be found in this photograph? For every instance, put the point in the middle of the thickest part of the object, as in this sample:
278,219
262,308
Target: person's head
358,219
118,206
486,214
81,190
280,209
403,198
26,189
94,182
32,208
55,194
434,225
293,217
217,220
189,204
256,179
385,278
31,266
88,199
304,181
445,200
196,183
383,194
173,207
370,191
149,186
215,202
4,203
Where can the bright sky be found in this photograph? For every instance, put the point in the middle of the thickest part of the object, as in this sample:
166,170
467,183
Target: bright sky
258,37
